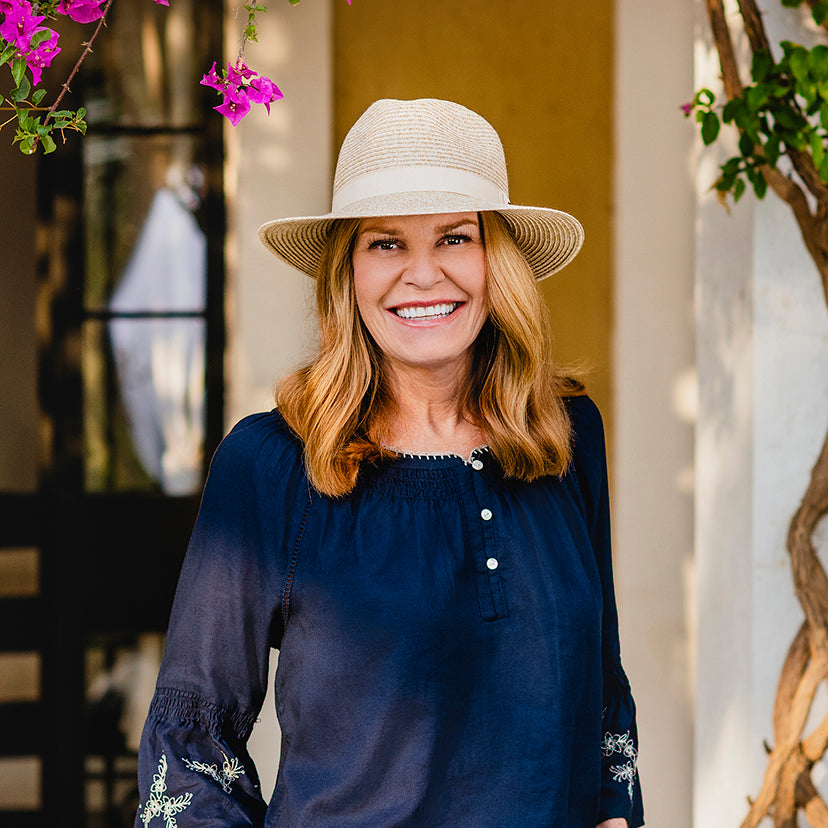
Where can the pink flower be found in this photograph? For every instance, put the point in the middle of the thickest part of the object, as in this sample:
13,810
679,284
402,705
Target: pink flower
240,86
20,24
262,90
167,2
41,56
234,108
687,108
81,11
213,80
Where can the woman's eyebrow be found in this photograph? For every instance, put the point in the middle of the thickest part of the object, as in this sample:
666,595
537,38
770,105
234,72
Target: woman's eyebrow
379,228
447,228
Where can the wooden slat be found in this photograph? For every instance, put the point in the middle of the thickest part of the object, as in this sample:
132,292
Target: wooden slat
22,728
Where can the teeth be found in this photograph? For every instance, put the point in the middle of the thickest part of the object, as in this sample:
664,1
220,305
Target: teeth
431,311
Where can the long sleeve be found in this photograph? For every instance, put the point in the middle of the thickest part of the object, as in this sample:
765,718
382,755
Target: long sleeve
620,785
194,768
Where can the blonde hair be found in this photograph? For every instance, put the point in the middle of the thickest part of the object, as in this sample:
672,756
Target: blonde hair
339,405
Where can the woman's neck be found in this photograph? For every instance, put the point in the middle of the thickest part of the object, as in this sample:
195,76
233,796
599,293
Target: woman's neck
428,416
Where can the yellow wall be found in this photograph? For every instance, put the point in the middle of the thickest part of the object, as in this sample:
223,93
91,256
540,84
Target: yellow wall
540,72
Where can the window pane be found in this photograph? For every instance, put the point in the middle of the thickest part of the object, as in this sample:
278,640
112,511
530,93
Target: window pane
145,249
144,404
145,71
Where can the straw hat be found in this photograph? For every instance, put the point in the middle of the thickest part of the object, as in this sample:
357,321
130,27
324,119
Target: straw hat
420,157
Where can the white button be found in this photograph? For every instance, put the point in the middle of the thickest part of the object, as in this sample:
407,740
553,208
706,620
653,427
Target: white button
492,563
477,465
486,514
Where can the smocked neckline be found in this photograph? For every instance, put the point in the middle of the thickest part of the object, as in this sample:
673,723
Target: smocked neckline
448,455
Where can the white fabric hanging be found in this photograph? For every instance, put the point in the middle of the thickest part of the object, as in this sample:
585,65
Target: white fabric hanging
160,362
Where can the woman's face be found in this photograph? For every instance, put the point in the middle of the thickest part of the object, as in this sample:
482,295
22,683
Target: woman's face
420,284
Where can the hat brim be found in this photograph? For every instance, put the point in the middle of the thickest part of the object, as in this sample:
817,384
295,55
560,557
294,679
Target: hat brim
550,239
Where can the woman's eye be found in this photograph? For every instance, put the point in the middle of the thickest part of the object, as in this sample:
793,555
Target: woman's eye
383,244
455,239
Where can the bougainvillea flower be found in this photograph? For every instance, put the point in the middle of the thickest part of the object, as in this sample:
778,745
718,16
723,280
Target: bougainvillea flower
41,56
234,108
238,74
262,90
20,24
687,108
213,80
167,2
81,11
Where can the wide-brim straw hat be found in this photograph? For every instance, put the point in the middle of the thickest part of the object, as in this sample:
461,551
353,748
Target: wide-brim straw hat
426,156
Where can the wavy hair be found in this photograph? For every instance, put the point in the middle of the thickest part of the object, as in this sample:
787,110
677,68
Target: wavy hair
339,404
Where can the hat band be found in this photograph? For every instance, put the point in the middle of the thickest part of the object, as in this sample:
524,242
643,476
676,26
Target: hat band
393,180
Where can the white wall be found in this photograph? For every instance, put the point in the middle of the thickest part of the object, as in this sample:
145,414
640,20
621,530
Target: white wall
763,398
654,391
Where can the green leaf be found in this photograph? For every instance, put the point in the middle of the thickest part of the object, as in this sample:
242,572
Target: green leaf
823,169
739,189
799,63
40,36
37,97
710,128
761,65
22,91
18,70
8,53
792,4
704,97
733,109
81,113
294,2
746,145
820,12
823,115
818,61
772,150
817,148
757,96
788,118
48,144
760,186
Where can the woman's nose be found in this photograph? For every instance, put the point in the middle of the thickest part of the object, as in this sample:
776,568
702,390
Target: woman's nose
423,271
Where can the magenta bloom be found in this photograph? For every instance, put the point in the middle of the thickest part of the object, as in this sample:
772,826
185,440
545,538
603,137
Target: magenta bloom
42,55
262,90
167,2
20,24
81,11
687,108
234,108
213,80
241,87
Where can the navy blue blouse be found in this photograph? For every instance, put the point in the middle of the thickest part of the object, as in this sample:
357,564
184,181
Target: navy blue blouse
448,647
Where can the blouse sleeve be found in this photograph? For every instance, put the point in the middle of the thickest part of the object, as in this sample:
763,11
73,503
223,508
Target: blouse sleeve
194,768
620,786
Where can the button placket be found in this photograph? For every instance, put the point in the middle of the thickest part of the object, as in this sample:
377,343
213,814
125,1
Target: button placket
487,565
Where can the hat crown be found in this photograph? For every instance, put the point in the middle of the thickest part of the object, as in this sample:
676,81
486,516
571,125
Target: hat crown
395,134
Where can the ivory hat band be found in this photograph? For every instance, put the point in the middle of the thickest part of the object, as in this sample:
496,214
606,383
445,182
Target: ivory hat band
427,156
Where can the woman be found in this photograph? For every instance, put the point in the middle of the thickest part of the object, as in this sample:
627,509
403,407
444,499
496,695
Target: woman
421,528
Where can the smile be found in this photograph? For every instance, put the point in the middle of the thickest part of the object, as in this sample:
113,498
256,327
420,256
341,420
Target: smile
427,312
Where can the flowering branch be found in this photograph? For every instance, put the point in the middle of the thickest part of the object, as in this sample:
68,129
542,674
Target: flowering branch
29,48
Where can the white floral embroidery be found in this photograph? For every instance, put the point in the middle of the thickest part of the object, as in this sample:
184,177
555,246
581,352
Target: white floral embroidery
164,806
230,771
621,743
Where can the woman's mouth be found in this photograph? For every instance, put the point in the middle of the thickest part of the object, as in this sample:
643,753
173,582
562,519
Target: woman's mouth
426,311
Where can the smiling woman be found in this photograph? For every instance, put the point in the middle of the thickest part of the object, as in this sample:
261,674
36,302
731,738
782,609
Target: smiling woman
421,528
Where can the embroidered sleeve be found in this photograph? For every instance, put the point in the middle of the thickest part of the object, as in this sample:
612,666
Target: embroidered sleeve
194,768
620,787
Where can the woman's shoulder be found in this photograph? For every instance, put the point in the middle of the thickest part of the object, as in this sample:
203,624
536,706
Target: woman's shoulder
262,443
587,423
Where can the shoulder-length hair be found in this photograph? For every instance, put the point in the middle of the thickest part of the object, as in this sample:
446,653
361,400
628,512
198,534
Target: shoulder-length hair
339,404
